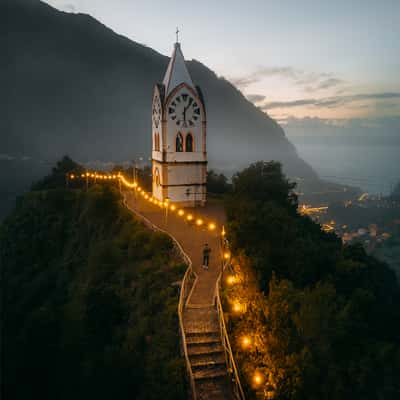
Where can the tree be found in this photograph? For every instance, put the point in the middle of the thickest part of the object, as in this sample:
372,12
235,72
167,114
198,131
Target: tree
326,314
217,183
58,176
88,306
264,181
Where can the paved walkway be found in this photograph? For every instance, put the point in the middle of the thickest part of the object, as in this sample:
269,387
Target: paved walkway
200,318
192,239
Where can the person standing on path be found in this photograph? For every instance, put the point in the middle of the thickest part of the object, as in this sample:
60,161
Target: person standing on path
206,256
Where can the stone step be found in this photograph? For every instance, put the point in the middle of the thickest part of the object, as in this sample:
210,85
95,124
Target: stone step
214,389
212,373
194,330
204,348
199,306
200,361
202,337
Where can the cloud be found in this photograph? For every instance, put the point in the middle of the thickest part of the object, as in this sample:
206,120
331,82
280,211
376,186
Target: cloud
69,8
310,81
331,102
386,129
255,98
287,104
328,83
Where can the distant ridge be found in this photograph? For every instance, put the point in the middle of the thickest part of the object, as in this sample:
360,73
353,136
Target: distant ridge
72,85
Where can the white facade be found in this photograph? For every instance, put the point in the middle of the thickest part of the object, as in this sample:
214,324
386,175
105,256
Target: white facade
179,137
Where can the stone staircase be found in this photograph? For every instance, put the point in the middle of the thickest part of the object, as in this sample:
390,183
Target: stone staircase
206,354
198,317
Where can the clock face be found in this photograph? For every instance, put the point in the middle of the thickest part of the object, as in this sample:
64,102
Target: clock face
156,111
184,110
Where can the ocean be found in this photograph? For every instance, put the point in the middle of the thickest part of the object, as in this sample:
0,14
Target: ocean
375,168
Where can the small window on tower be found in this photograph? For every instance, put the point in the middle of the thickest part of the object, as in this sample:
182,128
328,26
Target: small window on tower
189,142
156,142
179,142
156,177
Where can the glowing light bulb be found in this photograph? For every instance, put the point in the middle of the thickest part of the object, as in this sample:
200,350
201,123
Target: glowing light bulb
226,255
257,378
181,212
246,341
199,222
237,307
211,226
189,217
230,280
172,207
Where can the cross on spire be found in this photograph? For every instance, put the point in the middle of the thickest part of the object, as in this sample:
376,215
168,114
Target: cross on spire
177,33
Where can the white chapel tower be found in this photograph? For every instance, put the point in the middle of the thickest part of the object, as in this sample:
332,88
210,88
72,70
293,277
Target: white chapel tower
179,157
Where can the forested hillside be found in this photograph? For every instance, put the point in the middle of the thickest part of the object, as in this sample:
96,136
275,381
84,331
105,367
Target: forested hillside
89,299
322,320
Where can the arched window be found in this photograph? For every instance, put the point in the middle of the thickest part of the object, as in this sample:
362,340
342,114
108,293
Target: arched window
157,177
189,142
179,142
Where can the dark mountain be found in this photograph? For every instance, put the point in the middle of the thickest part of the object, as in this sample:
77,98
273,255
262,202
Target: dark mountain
71,85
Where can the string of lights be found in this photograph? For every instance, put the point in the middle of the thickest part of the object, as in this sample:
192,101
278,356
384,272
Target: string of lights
248,341
164,204
238,307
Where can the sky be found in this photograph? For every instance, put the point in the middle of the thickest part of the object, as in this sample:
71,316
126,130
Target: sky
309,63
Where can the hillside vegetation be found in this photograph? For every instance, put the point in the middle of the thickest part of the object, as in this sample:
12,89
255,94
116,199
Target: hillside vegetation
89,299
323,318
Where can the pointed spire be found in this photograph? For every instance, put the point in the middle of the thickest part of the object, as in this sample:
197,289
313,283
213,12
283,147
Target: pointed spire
177,71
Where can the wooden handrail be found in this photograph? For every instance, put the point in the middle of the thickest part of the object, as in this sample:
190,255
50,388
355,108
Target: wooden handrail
230,360
189,271
182,296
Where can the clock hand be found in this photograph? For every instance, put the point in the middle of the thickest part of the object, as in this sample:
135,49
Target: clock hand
184,116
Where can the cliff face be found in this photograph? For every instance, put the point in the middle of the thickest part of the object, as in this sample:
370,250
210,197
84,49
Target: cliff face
71,85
